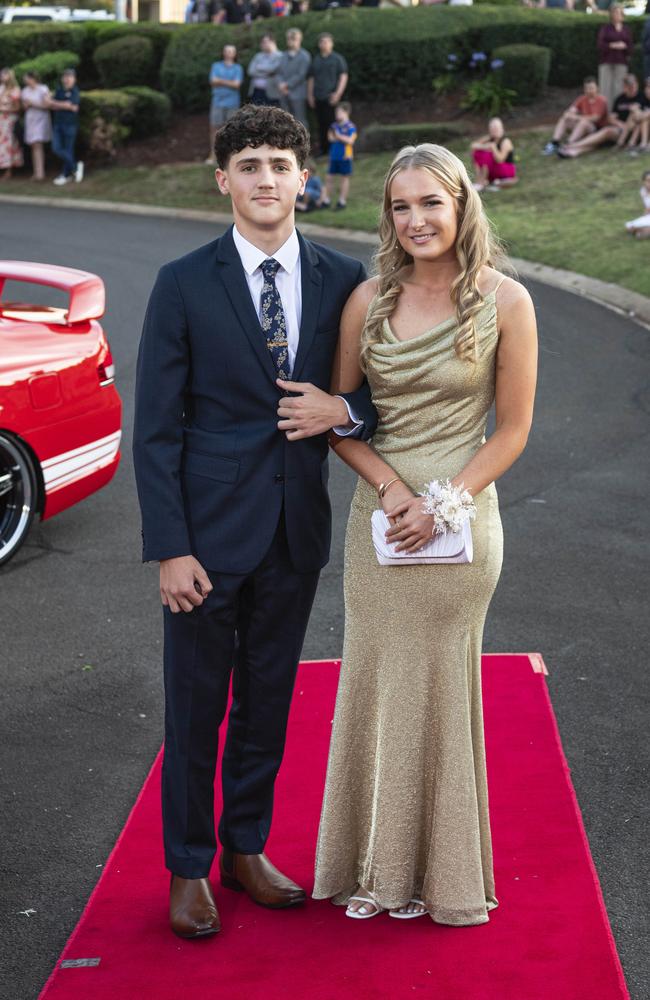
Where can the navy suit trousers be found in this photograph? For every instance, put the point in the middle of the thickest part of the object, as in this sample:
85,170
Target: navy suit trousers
251,626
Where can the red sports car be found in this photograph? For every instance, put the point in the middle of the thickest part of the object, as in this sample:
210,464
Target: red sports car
60,413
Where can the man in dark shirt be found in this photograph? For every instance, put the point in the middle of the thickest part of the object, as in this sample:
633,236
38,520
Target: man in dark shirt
328,78
629,101
65,105
239,11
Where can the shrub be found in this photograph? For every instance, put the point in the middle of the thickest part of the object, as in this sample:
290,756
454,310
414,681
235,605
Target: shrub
21,42
391,138
49,67
124,61
104,120
150,112
525,69
392,52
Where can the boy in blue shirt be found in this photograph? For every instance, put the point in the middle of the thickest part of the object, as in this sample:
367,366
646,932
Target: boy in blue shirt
226,78
342,135
65,125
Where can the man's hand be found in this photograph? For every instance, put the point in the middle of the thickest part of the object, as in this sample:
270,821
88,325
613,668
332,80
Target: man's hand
184,584
312,412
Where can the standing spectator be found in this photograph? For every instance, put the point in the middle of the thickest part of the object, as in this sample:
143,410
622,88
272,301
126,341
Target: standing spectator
292,76
238,11
302,6
38,122
645,45
11,154
328,78
494,158
342,135
262,9
587,114
615,45
226,78
263,72
206,12
65,105
641,227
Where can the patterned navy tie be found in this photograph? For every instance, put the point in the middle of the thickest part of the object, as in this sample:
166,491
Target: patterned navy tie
273,319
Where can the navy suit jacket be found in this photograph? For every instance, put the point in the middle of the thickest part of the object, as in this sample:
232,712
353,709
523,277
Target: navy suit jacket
213,471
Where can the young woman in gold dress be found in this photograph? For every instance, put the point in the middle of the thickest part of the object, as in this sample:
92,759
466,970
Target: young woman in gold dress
441,335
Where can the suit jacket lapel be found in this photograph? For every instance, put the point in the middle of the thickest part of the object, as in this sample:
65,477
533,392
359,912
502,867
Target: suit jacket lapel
234,279
312,287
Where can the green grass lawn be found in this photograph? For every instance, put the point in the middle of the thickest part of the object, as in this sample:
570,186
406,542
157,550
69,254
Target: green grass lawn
566,213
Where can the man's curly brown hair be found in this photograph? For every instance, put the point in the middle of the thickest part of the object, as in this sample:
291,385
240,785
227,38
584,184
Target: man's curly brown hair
254,126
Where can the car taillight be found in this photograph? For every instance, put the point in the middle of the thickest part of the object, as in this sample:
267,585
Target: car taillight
106,369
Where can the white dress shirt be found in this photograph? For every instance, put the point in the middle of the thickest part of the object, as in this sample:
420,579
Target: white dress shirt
288,284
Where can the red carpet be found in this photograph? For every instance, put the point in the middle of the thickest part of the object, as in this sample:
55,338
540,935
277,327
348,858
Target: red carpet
548,940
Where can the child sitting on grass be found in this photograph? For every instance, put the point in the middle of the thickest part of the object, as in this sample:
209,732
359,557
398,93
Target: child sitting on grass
342,135
308,201
641,227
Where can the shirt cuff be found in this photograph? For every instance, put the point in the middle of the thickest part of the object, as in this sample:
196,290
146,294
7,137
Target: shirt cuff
349,431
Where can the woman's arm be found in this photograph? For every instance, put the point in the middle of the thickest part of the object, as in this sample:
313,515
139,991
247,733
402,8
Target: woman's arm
516,377
501,154
515,392
348,376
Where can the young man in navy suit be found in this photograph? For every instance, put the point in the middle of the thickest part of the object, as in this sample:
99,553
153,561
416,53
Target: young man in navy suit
230,450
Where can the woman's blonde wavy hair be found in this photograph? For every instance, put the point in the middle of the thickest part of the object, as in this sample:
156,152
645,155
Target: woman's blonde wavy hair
476,245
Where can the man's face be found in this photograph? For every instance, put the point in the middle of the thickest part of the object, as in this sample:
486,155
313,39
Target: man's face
591,89
68,81
263,184
293,41
325,45
229,53
267,44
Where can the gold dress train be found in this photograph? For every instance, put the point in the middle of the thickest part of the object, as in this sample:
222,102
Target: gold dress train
405,811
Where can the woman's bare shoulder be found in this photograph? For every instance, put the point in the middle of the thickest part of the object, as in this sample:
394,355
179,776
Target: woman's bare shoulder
509,290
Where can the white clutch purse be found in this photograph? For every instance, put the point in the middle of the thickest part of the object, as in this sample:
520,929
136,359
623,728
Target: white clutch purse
448,547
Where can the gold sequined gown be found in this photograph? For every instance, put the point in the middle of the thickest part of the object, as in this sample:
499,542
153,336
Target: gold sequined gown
405,811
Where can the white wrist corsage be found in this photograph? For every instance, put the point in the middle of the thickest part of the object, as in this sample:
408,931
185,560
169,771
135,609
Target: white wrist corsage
450,506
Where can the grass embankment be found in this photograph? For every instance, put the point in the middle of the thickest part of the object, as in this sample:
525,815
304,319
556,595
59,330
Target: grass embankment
565,213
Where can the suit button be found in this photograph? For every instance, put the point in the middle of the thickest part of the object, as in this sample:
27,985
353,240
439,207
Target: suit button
278,479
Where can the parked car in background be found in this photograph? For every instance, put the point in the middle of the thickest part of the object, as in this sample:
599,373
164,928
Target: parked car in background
60,413
18,15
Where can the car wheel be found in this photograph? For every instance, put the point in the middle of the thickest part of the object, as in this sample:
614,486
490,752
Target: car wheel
18,495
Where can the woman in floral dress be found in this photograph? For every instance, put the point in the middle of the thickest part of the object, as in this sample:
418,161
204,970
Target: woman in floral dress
11,154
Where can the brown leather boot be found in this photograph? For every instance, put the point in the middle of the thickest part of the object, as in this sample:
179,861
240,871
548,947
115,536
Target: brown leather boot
192,909
255,875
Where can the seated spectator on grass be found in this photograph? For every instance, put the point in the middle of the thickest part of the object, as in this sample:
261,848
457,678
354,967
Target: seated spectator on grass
226,79
617,127
640,227
308,201
640,136
625,106
586,115
494,158
263,71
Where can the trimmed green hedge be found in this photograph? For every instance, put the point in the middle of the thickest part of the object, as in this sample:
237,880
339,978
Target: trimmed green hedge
25,41
391,138
49,67
150,112
525,69
392,53
128,60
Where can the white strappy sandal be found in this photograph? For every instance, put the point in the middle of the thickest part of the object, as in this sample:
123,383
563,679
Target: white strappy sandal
369,900
409,916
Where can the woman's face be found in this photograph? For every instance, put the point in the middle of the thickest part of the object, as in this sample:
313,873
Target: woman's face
4,76
616,15
495,128
424,215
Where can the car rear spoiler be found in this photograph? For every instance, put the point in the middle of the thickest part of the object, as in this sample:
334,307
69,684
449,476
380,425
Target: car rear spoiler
86,291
